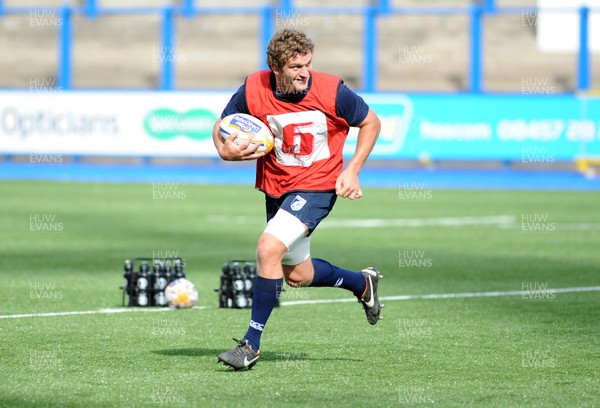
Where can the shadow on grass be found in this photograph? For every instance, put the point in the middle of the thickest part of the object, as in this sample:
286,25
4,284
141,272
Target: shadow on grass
264,355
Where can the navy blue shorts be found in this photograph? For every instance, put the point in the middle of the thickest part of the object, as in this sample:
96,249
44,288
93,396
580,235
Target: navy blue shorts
309,207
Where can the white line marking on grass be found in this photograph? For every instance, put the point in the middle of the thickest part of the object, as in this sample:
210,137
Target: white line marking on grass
90,312
419,222
448,295
319,301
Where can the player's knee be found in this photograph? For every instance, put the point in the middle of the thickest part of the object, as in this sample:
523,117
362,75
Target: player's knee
269,249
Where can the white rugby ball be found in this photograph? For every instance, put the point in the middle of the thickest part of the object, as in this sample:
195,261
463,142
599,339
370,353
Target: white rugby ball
248,127
181,293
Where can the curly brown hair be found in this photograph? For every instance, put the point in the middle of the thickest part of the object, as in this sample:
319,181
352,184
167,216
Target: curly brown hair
285,44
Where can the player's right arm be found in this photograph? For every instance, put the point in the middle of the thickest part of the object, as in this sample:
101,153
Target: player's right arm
228,149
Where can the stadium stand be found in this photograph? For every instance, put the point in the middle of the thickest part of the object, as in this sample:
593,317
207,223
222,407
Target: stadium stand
416,52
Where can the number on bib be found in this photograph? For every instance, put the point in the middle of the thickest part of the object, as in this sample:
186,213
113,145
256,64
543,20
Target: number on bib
300,137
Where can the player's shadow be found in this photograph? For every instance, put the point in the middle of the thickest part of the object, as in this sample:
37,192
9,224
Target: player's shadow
275,356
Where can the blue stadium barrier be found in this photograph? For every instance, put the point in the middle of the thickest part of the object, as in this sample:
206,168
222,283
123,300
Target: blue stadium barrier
370,15
377,176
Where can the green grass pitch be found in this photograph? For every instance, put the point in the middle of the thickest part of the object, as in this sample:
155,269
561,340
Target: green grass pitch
63,247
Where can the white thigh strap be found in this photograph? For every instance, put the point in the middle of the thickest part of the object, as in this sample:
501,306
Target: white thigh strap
285,227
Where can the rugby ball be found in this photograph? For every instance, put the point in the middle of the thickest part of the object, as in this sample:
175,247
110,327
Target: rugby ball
181,294
248,127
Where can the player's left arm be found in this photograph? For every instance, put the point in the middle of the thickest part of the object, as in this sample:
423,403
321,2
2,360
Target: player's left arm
347,184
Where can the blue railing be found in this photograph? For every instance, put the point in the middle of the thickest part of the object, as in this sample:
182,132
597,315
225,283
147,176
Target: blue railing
370,14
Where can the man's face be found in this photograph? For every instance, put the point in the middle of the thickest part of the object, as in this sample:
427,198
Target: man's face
293,77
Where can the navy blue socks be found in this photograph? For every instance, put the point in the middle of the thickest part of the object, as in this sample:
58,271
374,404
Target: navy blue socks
265,295
328,275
